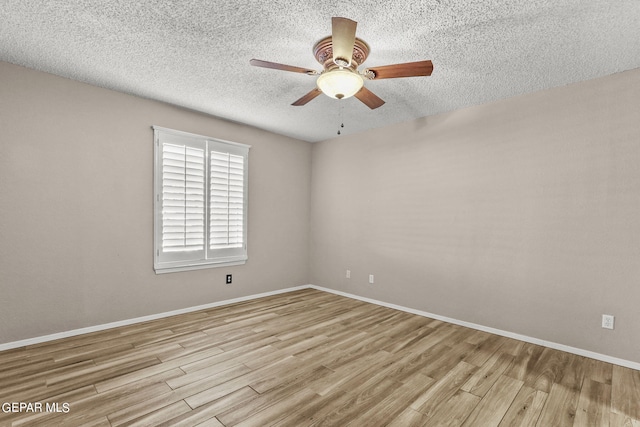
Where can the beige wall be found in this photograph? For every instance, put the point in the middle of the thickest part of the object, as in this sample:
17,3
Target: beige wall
76,208
521,215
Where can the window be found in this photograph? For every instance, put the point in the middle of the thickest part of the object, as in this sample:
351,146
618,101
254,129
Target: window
200,204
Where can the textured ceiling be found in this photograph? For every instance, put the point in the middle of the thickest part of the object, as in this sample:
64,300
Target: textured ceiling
196,53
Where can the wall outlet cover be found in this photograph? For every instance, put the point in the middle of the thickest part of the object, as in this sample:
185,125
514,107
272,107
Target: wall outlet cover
608,321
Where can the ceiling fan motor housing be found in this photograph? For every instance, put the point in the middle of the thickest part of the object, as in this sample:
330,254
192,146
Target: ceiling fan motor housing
323,52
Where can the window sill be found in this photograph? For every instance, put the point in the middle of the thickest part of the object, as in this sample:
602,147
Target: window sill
162,269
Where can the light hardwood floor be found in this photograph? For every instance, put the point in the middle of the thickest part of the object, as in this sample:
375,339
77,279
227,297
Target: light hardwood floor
311,358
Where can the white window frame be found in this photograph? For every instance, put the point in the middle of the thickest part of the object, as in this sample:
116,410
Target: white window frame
166,261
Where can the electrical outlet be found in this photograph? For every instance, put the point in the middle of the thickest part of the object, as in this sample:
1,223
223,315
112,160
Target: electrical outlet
608,321
371,279
229,279
348,275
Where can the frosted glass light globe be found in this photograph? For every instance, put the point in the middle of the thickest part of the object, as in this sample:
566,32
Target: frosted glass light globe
340,83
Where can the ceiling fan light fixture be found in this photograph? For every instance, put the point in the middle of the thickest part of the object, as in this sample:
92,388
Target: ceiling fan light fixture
340,83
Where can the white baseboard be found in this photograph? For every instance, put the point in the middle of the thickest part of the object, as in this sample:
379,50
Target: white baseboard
556,346
45,338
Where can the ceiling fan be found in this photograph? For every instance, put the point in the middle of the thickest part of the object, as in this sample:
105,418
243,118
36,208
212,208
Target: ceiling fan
340,55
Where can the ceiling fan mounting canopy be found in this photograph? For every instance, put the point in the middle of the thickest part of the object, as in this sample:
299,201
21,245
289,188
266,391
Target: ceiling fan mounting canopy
340,55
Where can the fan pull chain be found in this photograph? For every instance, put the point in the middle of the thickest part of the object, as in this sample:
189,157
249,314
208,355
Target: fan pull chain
341,119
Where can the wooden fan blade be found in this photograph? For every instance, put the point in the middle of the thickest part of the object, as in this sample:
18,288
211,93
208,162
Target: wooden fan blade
408,69
369,98
283,67
308,97
343,37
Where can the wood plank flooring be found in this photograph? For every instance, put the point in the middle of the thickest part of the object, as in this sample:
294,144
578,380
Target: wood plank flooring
310,358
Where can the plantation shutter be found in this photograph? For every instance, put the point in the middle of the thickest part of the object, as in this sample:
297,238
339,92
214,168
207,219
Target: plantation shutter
201,201
226,199
182,198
